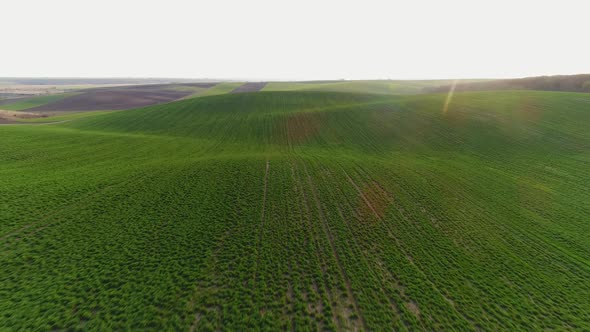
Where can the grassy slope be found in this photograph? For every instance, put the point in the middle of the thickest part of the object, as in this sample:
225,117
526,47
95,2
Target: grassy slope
64,117
377,86
221,88
281,210
34,102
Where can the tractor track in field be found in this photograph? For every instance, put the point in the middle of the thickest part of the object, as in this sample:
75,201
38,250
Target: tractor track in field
264,194
412,305
363,196
330,238
394,305
262,217
314,238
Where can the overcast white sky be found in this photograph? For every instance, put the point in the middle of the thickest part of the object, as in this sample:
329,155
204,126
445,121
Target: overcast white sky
303,39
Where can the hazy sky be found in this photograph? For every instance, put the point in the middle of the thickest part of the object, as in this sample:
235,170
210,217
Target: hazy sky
303,39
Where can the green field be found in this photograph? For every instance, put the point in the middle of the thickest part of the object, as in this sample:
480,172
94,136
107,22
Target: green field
391,87
301,210
33,102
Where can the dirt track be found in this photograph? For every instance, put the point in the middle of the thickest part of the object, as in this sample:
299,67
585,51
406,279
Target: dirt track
250,87
12,116
119,98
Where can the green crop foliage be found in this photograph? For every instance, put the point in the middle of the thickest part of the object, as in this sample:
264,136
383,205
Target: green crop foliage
301,210
392,87
34,102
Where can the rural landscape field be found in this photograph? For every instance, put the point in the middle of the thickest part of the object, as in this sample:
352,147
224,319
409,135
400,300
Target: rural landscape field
305,206
376,165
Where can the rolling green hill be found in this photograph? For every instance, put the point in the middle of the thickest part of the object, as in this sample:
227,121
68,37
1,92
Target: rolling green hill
302,210
391,87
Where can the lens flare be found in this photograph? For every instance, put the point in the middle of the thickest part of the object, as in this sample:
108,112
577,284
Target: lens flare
449,97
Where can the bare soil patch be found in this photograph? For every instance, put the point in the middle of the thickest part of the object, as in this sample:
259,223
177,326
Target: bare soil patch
413,307
118,98
201,85
12,116
12,100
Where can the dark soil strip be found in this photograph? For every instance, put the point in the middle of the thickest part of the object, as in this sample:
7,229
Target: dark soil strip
151,87
200,85
14,100
250,87
119,98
